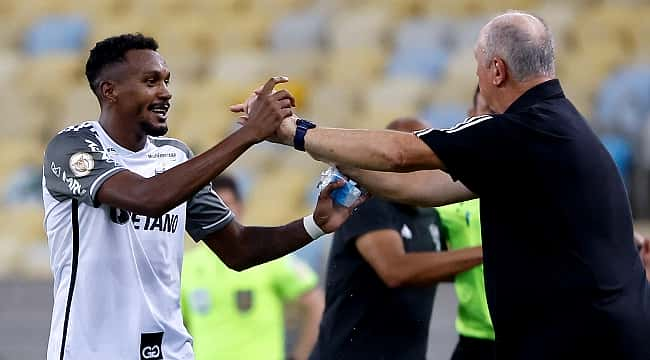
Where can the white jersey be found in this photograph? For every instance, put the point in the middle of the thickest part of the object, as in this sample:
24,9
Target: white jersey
117,274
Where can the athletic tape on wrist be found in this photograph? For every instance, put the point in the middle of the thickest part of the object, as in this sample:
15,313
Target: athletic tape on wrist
311,227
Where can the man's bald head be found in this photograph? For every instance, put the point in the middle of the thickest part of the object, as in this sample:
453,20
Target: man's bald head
523,41
406,124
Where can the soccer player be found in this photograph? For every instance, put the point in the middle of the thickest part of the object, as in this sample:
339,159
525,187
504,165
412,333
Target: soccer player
563,277
221,306
118,197
383,268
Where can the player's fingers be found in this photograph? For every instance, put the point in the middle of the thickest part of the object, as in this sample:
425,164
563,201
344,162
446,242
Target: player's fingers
285,103
360,200
270,84
284,94
286,112
242,120
327,191
237,108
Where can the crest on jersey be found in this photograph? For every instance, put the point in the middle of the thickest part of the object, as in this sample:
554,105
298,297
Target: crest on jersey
81,164
244,300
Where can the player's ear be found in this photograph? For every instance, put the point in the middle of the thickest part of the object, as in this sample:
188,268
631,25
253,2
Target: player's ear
108,91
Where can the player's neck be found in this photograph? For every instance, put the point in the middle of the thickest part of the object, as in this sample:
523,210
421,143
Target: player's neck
128,136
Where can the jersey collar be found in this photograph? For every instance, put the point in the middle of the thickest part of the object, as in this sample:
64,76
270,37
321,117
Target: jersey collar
546,90
119,149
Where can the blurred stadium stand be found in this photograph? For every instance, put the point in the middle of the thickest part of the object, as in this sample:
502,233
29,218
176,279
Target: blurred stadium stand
352,63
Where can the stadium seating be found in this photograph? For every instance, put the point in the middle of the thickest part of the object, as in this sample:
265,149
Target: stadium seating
352,63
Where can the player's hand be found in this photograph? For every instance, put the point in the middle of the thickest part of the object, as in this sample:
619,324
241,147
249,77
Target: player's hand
264,110
328,215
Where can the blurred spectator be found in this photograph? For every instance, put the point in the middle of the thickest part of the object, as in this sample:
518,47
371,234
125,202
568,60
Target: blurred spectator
57,34
239,315
24,186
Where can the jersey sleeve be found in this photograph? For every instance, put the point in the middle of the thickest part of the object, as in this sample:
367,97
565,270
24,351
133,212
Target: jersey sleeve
474,150
374,214
293,277
76,165
206,213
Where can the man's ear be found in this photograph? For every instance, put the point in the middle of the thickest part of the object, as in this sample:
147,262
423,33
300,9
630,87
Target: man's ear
108,91
500,71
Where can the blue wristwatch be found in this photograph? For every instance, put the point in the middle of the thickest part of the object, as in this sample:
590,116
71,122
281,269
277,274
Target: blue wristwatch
301,129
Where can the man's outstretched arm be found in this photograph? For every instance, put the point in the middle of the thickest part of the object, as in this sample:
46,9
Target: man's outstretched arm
241,247
380,150
426,188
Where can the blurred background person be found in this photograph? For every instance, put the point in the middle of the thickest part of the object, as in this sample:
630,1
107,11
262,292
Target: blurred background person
383,268
461,223
240,315
357,63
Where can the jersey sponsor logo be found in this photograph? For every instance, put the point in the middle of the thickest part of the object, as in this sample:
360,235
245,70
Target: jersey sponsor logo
151,352
166,223
81,164
161,155
56,170
151,346
73,184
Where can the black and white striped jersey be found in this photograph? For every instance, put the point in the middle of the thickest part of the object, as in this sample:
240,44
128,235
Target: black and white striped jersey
116,273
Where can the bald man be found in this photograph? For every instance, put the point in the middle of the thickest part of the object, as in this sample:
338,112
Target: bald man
573,286
381,281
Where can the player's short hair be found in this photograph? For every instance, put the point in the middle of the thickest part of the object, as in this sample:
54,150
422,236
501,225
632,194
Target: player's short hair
227,182
113,50
527,54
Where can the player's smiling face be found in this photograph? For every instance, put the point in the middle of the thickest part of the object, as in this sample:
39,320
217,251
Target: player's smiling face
144,91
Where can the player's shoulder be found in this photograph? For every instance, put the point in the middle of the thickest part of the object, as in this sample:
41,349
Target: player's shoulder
82,133
160,141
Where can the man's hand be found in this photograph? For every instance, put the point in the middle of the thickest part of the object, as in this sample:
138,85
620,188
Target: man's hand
330,216
265,109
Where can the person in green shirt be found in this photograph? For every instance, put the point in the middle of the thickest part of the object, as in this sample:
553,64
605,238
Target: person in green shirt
461,223
240,315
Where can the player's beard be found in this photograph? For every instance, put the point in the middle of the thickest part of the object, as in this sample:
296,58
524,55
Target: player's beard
154,131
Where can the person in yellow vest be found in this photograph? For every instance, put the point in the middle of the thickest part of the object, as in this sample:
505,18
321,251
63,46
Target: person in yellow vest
461,223
240,315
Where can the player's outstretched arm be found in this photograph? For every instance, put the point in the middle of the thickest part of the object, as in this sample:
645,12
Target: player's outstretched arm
156,195
384,251
381,150
241,247
426,188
